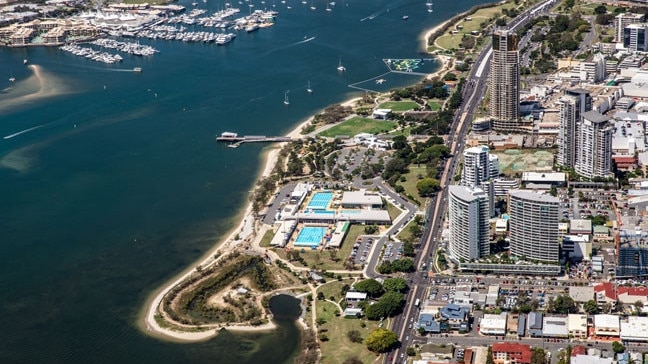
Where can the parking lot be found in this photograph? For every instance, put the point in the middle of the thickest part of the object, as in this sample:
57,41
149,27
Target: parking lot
586,203
361,249
393,251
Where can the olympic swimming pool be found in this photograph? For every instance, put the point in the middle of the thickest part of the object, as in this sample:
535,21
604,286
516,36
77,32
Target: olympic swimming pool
320,201
310,236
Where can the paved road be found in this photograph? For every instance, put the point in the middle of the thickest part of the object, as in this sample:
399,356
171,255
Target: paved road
473,93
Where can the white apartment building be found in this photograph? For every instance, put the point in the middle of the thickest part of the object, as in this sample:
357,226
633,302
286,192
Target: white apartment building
505,81
468,211
594,157
533,225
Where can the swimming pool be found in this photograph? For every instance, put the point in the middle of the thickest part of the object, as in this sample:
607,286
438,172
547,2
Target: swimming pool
310,236
320,200
324,212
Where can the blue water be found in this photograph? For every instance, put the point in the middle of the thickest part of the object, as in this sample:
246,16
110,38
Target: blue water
320,200
121,185
324,212
310,236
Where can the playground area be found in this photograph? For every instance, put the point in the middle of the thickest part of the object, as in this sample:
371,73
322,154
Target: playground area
512,161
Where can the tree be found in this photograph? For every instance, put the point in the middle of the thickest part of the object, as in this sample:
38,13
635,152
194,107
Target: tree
354,336
639,306
489,356
564,304
450,77
538,356
395,285
389,305
601,9
427,186
352,360
371,286
591,307
617,347
411,351
381,340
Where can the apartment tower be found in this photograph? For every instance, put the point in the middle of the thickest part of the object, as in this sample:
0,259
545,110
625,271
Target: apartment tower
505,81
572,105
468,216
594,156
533,225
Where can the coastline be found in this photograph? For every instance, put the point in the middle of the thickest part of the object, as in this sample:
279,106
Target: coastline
147,322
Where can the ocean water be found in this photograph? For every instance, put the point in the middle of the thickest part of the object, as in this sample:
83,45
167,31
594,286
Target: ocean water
111,181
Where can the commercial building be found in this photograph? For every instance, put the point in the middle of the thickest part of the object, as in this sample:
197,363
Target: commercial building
623,20
557,179
534,324
578,247
505,81
590,359
361,199
634,38
632,260
634,328
533,226
606,325
511,353
493,324
572,105
577,325
468,211
555,326
631,295
594,157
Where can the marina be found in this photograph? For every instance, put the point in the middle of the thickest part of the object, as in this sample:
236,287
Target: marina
126,47
91,54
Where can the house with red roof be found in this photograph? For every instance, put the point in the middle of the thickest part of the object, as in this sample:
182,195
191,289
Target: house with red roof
625,162
579,350
514,353
630,295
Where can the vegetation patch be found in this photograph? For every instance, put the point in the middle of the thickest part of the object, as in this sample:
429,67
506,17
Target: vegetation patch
399,106
357,125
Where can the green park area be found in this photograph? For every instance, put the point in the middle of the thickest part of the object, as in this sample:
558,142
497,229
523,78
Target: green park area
399,106
408,182
357,125
465,27
339,345
434,105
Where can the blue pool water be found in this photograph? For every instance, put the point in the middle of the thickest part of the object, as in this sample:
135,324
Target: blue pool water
324,212
310,236
320,200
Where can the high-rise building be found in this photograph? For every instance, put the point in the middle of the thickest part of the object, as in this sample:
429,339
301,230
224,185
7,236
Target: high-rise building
468,217
505,81
493,166
594,156
623,20
533,225
572,105
634,37
476,168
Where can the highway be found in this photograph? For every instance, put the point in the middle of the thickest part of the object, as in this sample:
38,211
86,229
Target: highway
473,93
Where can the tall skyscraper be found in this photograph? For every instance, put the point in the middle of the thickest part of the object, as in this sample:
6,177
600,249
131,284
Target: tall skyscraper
476,167
635,38
594,157
533,225
468,216
572,105
505,81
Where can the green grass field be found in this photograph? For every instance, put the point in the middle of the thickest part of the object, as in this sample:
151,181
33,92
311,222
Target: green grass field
411,179
266,239
399,106
359,125
434,105
338,348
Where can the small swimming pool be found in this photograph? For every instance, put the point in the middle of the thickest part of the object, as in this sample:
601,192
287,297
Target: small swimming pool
320,200
324,212
310,236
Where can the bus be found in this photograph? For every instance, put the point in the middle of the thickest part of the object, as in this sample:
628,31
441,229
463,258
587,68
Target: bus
417,302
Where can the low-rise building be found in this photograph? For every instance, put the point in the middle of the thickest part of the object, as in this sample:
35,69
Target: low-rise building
492,324
606,325
605,292
577,247
534,324
511,353
555,326
630,295
361,199
581,294
590,359
455,316
580,227
577,326
428,323
634,328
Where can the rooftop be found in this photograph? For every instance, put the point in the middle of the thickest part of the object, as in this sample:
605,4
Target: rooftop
606,321
534,196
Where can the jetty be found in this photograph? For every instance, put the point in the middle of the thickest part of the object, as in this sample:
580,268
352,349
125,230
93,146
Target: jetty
237,140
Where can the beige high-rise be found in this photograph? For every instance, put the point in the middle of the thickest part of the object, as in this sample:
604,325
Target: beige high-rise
505,81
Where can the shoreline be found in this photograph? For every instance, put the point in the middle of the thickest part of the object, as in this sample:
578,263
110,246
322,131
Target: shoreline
269,157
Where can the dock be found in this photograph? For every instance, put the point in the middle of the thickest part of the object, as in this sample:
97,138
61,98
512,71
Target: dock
237,140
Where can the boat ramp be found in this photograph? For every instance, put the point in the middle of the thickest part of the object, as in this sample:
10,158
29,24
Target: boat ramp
237,140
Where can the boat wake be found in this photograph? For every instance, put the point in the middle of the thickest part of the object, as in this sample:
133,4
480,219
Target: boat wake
306,40
22,132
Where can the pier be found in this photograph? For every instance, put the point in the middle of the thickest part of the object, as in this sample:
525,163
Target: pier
237,140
